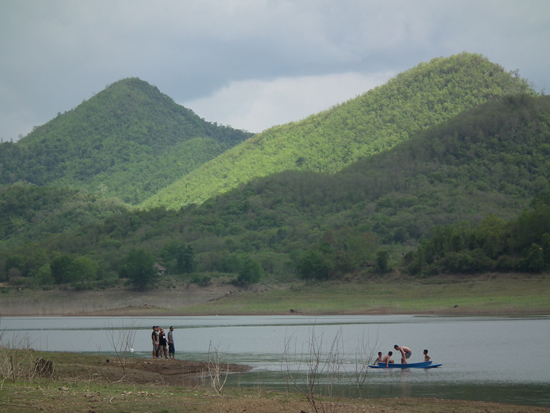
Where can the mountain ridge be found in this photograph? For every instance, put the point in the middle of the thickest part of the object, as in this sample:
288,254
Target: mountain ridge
128,140
330,140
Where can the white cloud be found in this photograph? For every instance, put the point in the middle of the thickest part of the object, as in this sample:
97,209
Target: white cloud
256,105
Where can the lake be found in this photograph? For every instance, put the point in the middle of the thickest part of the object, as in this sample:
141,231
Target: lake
498,359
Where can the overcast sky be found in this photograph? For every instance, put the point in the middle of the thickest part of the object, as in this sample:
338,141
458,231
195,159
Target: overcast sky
250,64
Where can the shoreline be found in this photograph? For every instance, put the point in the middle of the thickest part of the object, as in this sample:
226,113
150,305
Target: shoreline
125,312
487,295
133,312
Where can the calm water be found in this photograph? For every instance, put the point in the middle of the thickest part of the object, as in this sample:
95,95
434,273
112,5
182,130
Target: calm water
499,359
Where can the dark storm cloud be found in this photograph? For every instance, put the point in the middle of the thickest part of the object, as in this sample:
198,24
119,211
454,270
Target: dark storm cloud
56,53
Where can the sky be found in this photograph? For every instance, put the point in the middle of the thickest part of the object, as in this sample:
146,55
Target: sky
251,64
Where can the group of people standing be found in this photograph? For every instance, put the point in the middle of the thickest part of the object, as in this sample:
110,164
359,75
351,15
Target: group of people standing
405,354
163,345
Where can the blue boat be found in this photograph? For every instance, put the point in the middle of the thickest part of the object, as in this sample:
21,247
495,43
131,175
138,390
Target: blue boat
421,365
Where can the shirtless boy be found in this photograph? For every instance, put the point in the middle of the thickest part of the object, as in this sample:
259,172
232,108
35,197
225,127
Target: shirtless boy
426,357
380,358
405,353
388,359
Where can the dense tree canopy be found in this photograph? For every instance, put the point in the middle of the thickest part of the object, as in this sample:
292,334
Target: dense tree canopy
30,213
356,188
464,182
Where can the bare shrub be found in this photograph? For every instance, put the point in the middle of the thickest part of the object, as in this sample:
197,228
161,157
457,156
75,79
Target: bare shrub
43,367
16,359
216,372
320,368
365,353
121,340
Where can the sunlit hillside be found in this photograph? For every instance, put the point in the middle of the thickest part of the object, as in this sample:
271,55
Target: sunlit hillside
374,122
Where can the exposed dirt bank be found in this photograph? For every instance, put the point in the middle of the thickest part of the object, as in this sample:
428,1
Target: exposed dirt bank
492,294
116,301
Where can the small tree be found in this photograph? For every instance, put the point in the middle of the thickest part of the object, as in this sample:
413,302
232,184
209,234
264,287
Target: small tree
15,262
382,258
534,260
61,268
85,272
546,249
313,265
139,268
44,276
250,273
185,259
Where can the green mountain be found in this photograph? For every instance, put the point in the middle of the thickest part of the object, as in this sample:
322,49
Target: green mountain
127,141
374,122
491,159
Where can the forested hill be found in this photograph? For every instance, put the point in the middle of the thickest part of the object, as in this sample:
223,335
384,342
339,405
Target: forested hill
374,122
31,213
491,159
128,141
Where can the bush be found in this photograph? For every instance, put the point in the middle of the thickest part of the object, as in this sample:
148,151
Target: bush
201,281
382,259
44,276
250,273
466,262
313,265
506,264
534,259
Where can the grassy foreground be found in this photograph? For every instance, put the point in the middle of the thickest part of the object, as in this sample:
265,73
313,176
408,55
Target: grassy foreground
86,383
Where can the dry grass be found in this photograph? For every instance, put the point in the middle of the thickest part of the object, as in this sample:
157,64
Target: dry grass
502,294
395,294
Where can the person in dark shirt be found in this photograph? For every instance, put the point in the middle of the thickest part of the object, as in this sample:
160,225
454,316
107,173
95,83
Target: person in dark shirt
155,340
162,344
171,348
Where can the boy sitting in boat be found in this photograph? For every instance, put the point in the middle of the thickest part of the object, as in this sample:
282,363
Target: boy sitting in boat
380,359
387,360
426,357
